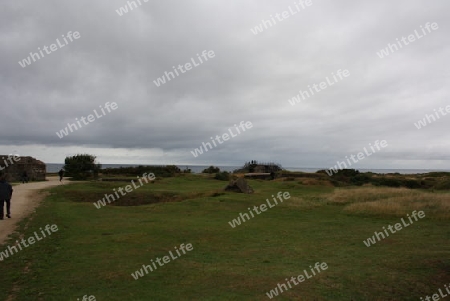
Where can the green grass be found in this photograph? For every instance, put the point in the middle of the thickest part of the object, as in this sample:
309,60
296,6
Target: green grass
96,250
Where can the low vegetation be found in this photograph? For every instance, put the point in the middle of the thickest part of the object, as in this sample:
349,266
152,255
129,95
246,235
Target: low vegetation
352,177
95,251
164,171
211,169
391,201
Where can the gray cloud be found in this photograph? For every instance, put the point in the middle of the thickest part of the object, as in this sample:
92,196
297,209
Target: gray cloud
250,78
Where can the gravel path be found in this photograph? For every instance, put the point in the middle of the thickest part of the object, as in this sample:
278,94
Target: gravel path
25,199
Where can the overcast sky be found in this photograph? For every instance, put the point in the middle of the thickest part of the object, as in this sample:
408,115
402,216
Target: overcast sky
250,78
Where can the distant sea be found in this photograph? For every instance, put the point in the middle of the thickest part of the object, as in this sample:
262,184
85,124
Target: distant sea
55,167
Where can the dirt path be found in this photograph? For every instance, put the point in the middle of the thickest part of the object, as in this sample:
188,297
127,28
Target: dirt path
25,199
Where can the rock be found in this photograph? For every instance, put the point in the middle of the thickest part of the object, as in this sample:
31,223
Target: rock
239,185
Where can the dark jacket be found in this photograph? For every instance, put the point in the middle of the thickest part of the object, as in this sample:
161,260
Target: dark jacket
5,190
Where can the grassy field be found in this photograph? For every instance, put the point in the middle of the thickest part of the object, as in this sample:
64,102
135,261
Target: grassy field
95,251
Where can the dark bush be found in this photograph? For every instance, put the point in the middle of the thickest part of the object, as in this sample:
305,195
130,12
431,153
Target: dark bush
438,174
387,182
211,169
412,184
81,167
444,185
222,176
254,166
360,179
158,171
346,173
345,176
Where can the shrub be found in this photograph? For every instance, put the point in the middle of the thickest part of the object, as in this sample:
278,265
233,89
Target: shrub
81,167
158,171
438,174
360,179
254,165
387,182
346,173
444,185
211,169
348,176
222,176
412,184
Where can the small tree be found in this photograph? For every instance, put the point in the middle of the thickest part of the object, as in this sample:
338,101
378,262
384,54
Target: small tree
81,167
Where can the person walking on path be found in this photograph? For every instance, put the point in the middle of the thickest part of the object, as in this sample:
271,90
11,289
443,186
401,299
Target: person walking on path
5,196
24,177
61,174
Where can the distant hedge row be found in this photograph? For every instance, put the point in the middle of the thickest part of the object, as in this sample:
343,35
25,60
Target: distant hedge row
438,181
164,171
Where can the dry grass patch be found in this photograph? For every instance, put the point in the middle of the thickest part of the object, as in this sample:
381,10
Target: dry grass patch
343,196
316,182
306,202
391,201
